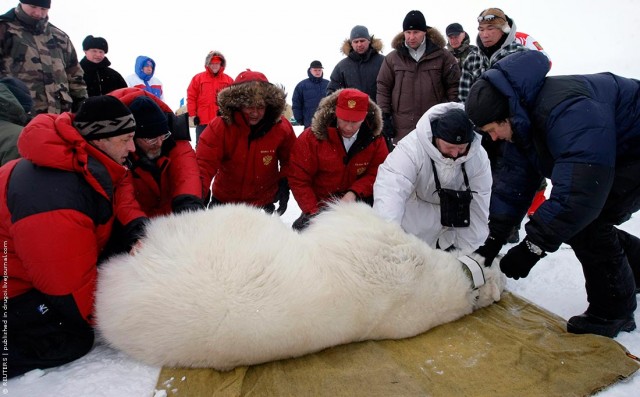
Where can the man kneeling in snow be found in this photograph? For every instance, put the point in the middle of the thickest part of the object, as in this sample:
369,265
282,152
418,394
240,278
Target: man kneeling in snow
233,286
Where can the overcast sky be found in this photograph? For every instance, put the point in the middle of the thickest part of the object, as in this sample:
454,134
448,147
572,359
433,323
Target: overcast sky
581,36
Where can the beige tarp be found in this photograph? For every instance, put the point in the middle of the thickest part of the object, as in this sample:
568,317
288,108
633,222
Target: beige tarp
512,348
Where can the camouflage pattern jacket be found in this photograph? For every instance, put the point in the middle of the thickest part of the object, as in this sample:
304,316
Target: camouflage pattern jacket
43,57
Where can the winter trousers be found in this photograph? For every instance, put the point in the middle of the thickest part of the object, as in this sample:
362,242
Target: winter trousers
39,337
199,129
607,253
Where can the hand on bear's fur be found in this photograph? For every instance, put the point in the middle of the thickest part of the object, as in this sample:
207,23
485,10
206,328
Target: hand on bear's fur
520,259
302,222
490,249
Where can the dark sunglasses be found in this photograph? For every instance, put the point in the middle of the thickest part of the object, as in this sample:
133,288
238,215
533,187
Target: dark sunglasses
489,18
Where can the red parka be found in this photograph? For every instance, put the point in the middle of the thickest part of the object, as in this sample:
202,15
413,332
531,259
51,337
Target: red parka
246,161
172,181
57,209
322,169
202,93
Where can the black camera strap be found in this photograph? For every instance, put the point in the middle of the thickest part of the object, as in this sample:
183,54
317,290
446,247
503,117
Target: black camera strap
435,177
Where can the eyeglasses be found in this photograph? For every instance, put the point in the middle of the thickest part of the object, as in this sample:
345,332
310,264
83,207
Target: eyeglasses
489,18
153,141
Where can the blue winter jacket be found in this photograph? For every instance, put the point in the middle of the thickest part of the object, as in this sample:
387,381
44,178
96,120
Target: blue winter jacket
307,96
574,130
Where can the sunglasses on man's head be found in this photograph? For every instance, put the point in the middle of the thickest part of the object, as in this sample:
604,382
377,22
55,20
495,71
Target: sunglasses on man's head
489,18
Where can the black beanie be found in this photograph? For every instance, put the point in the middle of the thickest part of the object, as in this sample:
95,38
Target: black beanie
103,116
90,42
486,104
37,3
151,121
453,127
414,21
20,91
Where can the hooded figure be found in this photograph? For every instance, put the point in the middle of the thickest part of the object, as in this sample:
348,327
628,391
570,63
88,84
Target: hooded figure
308,93
202,93
247,147
57,209
330,161
143,77
405,191
359,69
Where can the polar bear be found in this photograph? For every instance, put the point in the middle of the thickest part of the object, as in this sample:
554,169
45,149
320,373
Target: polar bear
233,286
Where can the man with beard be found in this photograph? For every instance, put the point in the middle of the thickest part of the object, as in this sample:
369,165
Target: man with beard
165,172
437,182
58,206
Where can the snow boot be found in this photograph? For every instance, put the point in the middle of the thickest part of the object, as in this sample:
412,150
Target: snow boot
590,324
631,246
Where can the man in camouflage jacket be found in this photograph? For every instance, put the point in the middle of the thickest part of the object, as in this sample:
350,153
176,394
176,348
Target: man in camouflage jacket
42,56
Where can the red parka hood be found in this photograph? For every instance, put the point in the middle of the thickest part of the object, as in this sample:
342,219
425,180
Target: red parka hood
50,140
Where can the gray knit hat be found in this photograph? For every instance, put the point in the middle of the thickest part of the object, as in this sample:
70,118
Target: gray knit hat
359,32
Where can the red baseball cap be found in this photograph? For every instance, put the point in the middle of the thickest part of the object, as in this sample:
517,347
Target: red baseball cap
249,75
352,105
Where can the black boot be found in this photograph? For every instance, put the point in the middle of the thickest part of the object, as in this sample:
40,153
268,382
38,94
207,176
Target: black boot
631,246
589,324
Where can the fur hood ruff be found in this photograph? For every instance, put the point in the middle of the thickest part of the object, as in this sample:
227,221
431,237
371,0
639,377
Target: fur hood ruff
325,117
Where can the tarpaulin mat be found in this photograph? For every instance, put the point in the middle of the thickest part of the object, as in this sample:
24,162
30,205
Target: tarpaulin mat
511,348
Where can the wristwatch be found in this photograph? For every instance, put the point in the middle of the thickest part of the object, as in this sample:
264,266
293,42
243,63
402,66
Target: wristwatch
534,248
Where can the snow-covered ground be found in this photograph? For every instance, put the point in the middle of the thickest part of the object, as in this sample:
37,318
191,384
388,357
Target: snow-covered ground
556,283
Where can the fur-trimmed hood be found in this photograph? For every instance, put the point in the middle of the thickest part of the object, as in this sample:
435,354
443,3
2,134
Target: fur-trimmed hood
376,44
252,93
210,55
432,35
325,117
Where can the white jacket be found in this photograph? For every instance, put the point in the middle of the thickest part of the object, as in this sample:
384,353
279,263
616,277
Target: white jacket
405,190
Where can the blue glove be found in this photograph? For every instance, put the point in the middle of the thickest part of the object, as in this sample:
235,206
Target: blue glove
520,259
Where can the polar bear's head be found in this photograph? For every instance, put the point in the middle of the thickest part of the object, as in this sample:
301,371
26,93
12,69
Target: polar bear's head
494,282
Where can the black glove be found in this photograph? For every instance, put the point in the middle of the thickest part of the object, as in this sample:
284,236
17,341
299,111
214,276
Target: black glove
490,249
388,129
282,196
520,259
196,120
302,222
186,202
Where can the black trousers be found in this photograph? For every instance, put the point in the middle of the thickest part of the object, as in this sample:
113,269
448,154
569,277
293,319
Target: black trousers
39,337
607,254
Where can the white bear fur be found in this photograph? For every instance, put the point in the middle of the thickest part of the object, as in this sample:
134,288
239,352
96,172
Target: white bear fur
233,286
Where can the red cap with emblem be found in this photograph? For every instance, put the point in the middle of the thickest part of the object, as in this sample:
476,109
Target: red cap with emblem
352,105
